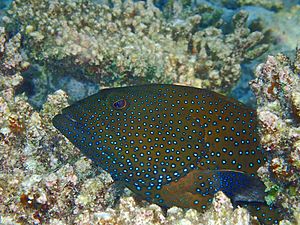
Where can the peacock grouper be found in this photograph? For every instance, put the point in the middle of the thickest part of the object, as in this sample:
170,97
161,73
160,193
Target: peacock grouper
171,145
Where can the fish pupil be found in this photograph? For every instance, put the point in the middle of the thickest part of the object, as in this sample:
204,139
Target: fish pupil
120,104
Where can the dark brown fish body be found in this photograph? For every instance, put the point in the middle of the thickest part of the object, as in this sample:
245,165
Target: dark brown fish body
172,145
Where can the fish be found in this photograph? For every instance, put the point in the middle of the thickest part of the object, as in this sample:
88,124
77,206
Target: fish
172,145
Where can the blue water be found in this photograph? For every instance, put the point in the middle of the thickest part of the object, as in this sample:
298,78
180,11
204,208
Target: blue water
4,4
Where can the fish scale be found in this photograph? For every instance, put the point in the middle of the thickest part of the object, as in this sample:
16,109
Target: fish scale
171,145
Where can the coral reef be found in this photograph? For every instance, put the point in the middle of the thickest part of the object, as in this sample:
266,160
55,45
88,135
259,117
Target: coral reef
269,4
11,60
132,42
37,184
35,179
45,180
277,89
128,212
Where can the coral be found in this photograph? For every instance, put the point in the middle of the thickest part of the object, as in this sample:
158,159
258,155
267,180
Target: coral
129,212
182,9
36,180
277,91
132,42
279,28
11,60
269,4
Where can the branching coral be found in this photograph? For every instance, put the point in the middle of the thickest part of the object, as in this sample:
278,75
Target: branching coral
277,88
131,42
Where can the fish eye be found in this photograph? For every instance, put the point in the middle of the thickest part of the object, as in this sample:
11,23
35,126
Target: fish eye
120,104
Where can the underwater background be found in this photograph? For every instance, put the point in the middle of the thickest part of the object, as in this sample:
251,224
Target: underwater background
55,52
